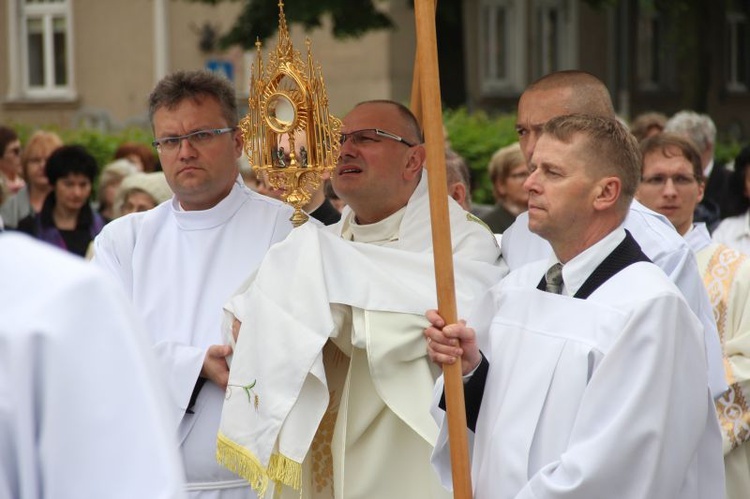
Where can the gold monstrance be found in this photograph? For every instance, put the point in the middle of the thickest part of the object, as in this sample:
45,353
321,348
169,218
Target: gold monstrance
289,135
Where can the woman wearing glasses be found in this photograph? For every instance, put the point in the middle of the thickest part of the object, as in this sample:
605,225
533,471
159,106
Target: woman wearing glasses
507,171
30,198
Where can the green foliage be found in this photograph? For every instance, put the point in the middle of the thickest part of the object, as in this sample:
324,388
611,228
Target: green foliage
101,145
726,151
476,136
259,19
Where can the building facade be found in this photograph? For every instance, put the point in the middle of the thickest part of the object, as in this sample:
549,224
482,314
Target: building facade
93,62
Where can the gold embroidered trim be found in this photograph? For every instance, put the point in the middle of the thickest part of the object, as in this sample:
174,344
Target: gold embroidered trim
731,407
733,415
322,459
244,463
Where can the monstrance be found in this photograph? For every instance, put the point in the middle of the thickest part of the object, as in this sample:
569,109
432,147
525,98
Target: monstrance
289,135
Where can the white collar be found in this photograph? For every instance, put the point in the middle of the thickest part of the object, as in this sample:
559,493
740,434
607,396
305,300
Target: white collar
580,267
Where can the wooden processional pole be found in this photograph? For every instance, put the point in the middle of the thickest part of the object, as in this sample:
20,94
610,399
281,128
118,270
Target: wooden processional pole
428,109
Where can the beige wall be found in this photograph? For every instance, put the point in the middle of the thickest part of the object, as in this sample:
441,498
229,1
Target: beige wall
114,56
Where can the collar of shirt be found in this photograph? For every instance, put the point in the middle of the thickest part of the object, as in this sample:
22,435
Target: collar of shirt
698,237
380,233
578,269
707,170
214,216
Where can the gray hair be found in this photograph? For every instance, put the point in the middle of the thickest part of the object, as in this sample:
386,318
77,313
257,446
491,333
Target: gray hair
699,128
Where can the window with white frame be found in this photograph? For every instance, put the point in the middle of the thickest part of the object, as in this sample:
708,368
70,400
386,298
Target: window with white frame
41,39
501,47
555,24
738,51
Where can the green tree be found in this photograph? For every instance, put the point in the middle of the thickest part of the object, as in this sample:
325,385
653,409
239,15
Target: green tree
259,18
349,18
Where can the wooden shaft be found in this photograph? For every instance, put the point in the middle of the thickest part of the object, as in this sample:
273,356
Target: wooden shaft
416,92
432,119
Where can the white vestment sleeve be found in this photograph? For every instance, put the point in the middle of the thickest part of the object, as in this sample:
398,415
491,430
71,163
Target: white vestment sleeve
180,363
87,411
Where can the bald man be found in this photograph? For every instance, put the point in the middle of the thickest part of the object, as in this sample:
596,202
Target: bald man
578,92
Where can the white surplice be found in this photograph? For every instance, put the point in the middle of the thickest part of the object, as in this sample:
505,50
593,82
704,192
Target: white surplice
369,297
663,246
586,399
179,268
734,232
82,411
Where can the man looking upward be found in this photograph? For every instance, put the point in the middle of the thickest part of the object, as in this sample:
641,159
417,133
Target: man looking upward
364,297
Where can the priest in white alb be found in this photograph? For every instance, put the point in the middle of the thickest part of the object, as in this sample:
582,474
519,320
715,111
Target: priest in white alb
330,368
590,380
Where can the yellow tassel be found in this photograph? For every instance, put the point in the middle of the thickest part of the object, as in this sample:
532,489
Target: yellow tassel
285,470
242,462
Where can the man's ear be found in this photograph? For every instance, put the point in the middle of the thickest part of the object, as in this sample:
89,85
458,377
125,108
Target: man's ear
414,164
239,142
608,193
457,190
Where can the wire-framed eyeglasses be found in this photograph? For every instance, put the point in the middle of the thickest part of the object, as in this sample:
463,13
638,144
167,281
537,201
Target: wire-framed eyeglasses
371,136
196,139
660,181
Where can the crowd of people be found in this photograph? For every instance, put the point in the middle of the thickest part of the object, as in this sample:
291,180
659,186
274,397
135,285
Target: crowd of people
604,306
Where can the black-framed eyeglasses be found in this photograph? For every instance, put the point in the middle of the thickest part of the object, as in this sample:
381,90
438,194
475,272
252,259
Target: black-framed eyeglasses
659,181
370,136
196,139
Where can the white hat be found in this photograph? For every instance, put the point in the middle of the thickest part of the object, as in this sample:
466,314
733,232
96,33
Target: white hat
154,184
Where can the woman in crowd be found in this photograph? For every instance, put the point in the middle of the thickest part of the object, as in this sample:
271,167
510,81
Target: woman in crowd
67,219
142,155
141,192
507,171
30,198
109,182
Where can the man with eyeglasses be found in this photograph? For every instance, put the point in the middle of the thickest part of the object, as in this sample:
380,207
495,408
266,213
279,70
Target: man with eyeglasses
673,184
578,92
182,260
366,282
